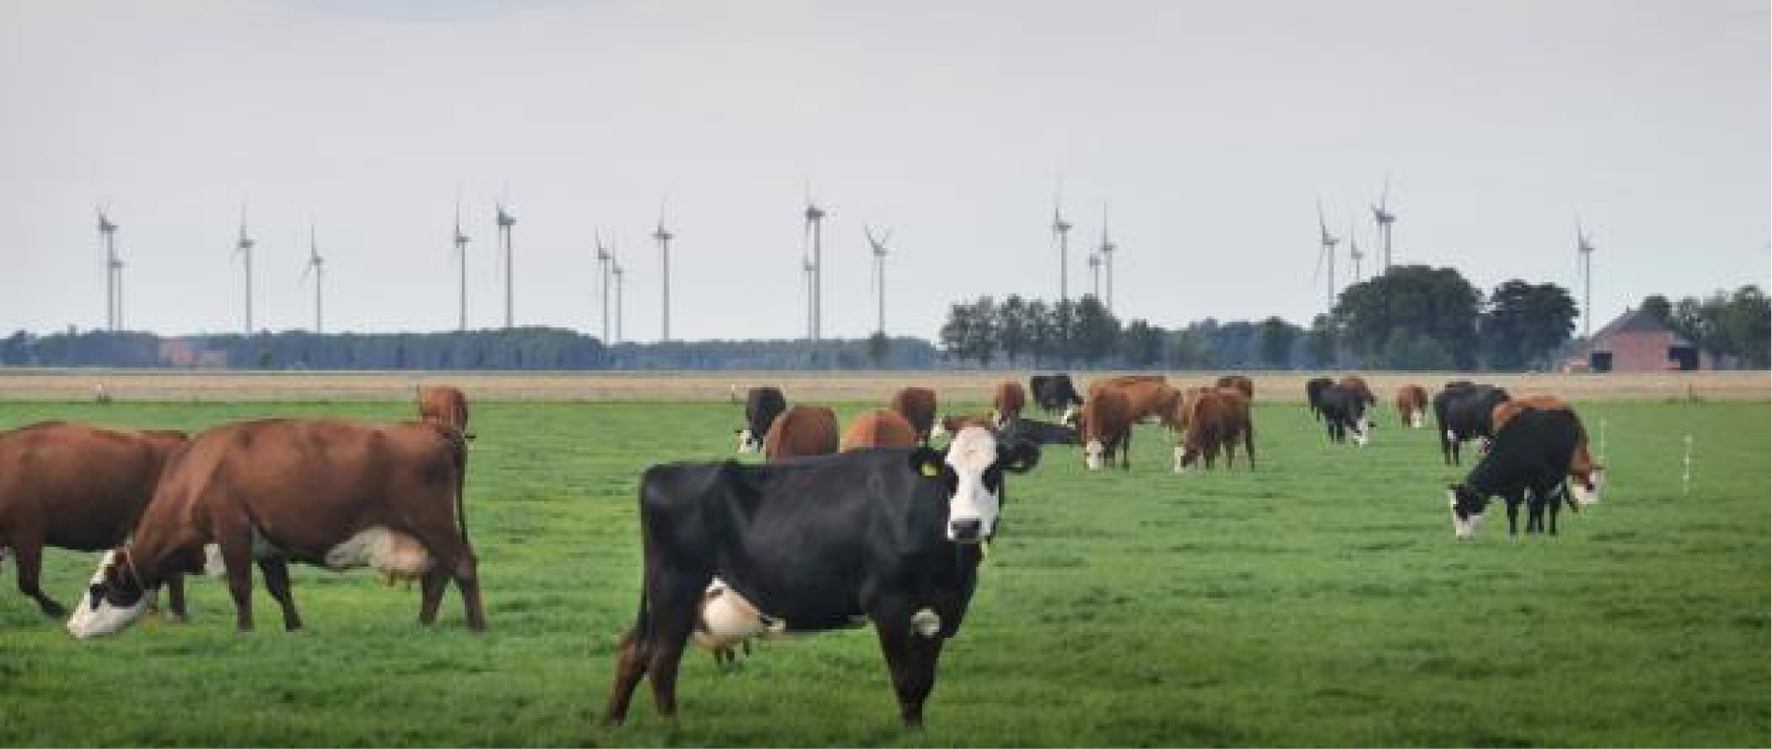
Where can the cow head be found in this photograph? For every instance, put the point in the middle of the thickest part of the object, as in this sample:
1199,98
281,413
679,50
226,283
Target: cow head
1588,492
114,599
1094,454
747,442
972,471
1467,509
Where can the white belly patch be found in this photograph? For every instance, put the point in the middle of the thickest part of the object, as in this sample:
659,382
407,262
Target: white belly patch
392,553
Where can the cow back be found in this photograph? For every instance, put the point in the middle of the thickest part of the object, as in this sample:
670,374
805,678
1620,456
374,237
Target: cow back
79,486
1239,383
801,431
880,427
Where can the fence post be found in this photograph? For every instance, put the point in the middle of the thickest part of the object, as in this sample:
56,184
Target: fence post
1686,469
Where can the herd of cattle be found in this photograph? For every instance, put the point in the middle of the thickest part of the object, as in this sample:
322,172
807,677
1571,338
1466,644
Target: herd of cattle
871,523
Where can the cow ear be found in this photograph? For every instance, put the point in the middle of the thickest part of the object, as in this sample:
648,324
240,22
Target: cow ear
1021,456
926,462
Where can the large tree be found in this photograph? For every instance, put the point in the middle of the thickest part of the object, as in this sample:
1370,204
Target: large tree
1406,317
1096,332
1141,344
1525,323
971,331
1276,342
1323,342
1015,332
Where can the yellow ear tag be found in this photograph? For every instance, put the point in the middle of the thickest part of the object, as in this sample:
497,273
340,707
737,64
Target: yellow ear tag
930,470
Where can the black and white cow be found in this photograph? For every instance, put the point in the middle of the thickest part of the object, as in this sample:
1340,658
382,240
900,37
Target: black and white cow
1037,432
1313,395
1054,392
1462,411
1344,410
761,406
1528,461
888,535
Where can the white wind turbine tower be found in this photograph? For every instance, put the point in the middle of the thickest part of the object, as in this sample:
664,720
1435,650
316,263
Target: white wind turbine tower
1108,248
461,257
1061,231
1095,275
617,271
1585,247
604,258
506,220
317,266
1353,249
243,248
806,270
1326,252
815,267
108,233
664,237
878,245
1382,216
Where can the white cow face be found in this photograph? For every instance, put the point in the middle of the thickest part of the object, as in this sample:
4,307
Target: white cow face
1467,510
1093,454
747,442
113,601
1583,494
973,472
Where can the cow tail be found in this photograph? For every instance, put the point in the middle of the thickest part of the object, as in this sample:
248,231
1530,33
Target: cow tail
460,445
1249,443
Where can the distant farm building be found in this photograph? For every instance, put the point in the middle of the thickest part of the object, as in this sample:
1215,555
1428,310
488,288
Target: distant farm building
1636,342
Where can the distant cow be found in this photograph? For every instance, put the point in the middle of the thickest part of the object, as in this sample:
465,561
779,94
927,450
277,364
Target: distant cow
951,424
444,404
1357,384
337,494
917,405
1182,411
1313,395
1462,412
1148,397
761,406
77,487
880,427
1105,427
1586,478
1220,417
801,431
1037,432
1008,400
887,536
1240,384
1344,411
1412,405
1054,392
1528,460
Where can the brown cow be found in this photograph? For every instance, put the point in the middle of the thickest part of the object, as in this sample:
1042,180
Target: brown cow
1587,476
1105,427
880,427
1219,416
1240,384
949,424
1181,411
801,431
1412,405
1008,400
444,404
1357,384
78,487
334,493
917,406
1148,397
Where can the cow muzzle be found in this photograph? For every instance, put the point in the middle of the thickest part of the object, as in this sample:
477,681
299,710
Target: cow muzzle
968,531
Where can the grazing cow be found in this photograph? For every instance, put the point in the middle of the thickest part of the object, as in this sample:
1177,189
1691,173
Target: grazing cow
1240,384
1357,384
761,406
1586,478
78,487
1313,395
894,537
917,406
1037,432
801,431
1412,405
444,404
1105,427
880,427
1181,413
1527,460
338,494
1054,392
1219,416
1462,412
1344,410
1148,397
1008,400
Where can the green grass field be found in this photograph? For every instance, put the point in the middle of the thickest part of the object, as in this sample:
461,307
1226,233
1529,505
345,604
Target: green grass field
1321,600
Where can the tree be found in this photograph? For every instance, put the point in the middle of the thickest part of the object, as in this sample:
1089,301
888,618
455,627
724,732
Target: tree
1276,342
971,331
1321,341
1042,331
1435,304
1096,332
1745,324
1141,344
1658,307
879,347
1014,329
1525,324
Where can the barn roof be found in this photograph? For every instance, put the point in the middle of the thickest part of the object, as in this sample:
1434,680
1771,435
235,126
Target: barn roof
1634,321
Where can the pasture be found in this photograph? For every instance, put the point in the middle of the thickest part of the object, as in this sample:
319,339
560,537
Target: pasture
1320,600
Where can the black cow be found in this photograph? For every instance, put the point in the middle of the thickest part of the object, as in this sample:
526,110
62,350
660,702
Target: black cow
1461,411
1313,395
1528,460
1054,392
1343,410
761,406
1037,432
894,536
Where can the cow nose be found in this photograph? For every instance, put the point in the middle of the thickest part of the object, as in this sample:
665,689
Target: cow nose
964,530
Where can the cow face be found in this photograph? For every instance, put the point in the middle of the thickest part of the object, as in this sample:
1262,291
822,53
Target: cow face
747,442
1467,509
1094,454
972,469
113,601
1589,492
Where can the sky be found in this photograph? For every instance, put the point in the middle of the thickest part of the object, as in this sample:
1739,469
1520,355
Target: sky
1206,131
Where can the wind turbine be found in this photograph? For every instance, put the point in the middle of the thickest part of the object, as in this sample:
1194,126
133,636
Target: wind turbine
1108,248
315,265
1095,275
806,269
1585,247
664,237
1353,249
108,233
617,271
117,269
1384,218
604,257
1061,230
461,256
506,220
815,268
1326,243
879,249
243,248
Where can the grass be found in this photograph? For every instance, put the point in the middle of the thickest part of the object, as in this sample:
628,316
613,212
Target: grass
1318,601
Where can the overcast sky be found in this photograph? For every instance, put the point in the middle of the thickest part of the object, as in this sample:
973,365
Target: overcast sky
1208,129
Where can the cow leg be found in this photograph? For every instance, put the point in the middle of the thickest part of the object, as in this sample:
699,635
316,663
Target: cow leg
431,587
672,622
1513,513
29,548
1555,498
237,557
630,666
455,559
910,659
1249,444
277,582
175,594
